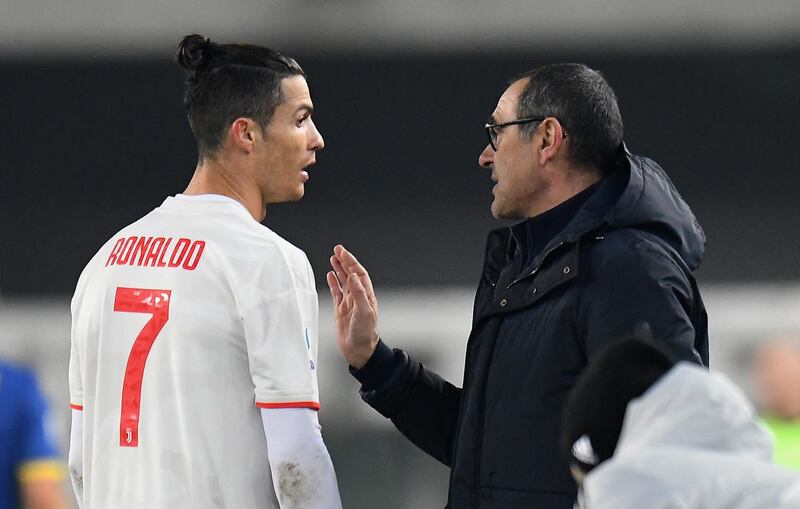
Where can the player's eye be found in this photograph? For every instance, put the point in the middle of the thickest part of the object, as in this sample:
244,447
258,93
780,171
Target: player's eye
301,121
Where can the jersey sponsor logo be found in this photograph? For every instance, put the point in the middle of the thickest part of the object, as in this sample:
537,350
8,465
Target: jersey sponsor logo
157,252
308,345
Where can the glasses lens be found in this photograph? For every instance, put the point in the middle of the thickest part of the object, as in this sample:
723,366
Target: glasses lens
492,132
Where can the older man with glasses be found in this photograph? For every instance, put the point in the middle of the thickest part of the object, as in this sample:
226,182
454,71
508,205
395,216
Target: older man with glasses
604,247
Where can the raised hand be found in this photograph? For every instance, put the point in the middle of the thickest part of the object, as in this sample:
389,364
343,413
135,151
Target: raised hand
355,307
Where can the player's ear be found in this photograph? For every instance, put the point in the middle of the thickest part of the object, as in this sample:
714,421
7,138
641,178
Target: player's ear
243,133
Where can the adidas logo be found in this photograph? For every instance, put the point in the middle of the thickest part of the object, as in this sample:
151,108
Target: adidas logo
583,451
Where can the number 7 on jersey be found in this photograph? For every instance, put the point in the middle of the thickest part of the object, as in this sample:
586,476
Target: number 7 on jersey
155,303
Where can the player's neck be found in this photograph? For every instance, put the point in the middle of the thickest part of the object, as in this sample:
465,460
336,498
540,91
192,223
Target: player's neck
216,177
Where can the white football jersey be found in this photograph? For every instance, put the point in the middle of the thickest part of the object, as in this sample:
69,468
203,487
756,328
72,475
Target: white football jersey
183,324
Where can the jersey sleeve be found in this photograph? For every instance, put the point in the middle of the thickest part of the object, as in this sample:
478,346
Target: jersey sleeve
75,377
294,440
281,337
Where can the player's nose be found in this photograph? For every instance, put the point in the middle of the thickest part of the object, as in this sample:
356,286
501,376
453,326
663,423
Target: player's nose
317,142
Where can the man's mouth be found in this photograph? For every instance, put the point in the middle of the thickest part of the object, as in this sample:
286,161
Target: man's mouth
304,170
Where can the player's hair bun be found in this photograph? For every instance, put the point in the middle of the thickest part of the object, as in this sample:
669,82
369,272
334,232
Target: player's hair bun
193,52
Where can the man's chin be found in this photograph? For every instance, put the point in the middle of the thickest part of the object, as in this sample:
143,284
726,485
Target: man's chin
294,195
297,193
499,212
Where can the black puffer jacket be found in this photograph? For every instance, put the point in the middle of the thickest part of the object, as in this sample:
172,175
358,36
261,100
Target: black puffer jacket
624,262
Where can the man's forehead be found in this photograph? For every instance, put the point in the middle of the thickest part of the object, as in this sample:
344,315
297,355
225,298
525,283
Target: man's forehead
507,104
295,90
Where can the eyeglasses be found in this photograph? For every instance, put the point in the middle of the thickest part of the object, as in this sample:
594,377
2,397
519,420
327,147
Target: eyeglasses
491,129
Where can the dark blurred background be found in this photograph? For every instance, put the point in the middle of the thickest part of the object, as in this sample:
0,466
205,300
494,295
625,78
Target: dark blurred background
93,136
91,144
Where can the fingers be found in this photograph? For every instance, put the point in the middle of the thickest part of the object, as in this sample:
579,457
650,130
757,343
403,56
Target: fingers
348,261
336,289
338,271
359,294
337,249
349,264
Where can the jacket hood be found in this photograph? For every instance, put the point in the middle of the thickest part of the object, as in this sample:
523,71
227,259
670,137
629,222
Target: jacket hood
649,202
690,407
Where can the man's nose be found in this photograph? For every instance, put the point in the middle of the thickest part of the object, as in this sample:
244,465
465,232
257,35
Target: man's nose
317,142
486,159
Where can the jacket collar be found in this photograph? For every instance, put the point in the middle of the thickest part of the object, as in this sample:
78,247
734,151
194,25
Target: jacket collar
595,214
533,235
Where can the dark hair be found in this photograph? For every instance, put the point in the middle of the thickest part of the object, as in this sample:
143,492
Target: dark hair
227,81
583,101
595,409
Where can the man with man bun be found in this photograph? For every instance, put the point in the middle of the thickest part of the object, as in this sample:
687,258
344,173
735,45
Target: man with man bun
194,329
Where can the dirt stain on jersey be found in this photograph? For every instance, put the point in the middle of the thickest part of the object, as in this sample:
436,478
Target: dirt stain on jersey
77,478
294,485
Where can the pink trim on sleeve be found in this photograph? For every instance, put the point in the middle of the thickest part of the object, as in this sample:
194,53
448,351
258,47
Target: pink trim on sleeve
293,404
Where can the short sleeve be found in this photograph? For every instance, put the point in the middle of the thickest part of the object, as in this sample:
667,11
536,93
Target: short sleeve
281,337
75,378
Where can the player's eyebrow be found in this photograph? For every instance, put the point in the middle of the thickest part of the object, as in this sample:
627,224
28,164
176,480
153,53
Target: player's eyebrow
491,119
305,108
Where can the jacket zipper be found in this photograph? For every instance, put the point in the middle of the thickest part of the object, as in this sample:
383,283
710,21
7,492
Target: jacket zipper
478,488
536,269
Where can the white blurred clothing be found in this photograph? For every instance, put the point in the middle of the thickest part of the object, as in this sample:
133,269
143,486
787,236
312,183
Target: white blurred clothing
692,441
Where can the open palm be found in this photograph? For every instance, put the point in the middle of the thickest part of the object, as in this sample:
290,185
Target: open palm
355,307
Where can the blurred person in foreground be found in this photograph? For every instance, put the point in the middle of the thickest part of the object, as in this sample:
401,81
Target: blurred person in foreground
31,472
641,431
604,243
194,329
778,387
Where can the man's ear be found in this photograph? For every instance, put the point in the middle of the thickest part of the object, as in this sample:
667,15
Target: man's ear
243,133
552,140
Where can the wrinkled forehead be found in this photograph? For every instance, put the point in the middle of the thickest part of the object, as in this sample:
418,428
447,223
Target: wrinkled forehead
506,108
